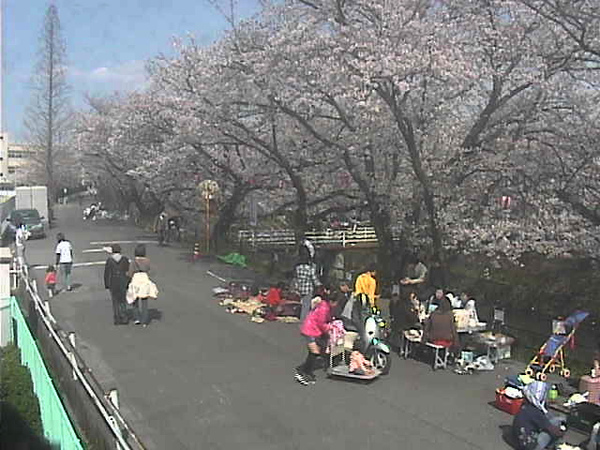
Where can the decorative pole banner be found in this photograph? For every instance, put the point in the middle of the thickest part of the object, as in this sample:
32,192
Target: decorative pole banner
208,189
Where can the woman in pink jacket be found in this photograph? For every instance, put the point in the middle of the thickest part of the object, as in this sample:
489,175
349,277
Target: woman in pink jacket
315,325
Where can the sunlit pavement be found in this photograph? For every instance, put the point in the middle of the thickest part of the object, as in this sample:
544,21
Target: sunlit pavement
200,378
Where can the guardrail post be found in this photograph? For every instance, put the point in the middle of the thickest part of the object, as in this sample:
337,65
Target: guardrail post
5,282
115,426
113,397
72,358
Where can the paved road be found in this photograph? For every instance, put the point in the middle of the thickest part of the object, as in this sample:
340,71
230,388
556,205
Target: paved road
200,378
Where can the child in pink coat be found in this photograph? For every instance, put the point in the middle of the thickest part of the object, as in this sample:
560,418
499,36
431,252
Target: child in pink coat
315,326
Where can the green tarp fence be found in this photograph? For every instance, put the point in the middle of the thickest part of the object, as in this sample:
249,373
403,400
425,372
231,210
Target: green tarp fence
58,428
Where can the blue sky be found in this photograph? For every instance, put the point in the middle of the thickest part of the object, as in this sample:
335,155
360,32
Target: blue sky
108,43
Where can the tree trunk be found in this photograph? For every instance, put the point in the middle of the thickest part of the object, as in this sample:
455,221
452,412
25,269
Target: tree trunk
391,254
227,215
300,217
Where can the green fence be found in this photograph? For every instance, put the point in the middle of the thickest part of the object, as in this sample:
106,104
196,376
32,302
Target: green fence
58,428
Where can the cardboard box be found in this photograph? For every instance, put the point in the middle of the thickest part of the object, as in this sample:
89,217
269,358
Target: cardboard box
591,385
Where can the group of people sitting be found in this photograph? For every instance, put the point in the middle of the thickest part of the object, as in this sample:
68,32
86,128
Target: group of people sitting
430,321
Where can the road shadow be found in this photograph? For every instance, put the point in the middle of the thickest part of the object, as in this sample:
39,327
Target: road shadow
74,287
507,436
16,433
155,314
146,237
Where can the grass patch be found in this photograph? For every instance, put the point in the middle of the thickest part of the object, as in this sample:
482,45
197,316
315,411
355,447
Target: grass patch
21,423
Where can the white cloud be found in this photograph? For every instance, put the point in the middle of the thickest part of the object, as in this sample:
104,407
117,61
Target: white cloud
128,75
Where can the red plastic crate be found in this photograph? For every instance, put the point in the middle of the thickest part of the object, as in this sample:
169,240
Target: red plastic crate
509,405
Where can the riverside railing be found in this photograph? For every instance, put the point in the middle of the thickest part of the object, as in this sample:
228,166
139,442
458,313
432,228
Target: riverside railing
58,429
93,410
328,238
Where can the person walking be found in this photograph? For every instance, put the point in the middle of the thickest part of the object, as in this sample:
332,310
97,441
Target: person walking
305,280
64,259
9,230
314,327
140,264
141,288
161,226
20,237
50,281
115,280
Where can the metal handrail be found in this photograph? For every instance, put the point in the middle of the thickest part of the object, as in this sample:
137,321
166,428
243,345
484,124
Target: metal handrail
48,320
341,237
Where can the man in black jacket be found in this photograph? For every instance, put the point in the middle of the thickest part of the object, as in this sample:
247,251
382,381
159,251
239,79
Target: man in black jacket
115,280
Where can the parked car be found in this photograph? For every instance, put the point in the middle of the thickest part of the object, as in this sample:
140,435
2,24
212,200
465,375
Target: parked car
34,223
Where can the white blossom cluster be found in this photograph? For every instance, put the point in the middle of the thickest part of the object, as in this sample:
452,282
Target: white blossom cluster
464,126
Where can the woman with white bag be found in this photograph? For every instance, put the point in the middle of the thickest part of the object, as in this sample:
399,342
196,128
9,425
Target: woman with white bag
141,287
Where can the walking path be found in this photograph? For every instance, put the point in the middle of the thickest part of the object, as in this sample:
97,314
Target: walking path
200,378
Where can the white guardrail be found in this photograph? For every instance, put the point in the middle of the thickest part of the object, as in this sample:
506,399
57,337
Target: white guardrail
113,418
330,237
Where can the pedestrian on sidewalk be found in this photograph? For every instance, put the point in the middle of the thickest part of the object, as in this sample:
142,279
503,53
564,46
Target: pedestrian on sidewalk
64,259
315,326
305,281
140,264
141,288
50,280
116,280
20,237
9,230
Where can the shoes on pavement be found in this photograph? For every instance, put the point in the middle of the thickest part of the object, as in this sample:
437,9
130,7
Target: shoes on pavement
304,378
145,325
137,322
300,379
310,377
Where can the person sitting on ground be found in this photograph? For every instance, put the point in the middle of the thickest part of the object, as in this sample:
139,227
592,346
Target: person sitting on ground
366,283
273,297
440,328
314,327
533,428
